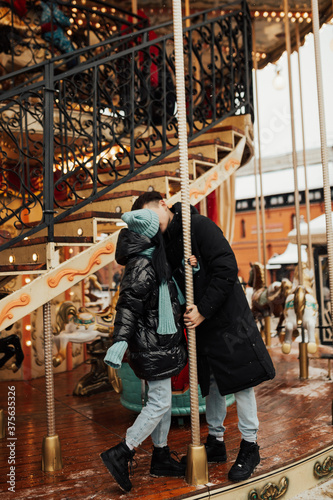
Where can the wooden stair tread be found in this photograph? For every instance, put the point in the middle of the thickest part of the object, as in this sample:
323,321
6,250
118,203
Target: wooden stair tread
57,239
76,217
14,268
112,196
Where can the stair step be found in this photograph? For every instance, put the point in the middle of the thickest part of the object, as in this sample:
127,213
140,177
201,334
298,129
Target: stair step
13,269
122,200
75,217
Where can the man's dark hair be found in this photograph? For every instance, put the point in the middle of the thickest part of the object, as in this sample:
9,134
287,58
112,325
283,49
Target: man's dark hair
148,197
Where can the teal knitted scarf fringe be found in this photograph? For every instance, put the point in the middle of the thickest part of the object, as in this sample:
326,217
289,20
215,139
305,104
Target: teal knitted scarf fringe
166,321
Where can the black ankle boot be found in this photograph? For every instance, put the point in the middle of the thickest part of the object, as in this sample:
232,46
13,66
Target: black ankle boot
247,460
215,449
163,465
116,460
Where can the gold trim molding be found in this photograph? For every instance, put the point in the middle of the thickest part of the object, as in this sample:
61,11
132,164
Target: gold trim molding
320,471
270,491
22,301
71,273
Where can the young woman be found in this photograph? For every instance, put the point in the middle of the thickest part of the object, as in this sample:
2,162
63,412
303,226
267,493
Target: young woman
149,326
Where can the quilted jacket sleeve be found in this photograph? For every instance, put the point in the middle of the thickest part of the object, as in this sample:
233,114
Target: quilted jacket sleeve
136,285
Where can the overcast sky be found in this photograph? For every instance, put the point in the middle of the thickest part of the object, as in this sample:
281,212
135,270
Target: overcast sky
274,108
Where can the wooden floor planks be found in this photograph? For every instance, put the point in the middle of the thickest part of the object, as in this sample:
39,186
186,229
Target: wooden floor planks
295,421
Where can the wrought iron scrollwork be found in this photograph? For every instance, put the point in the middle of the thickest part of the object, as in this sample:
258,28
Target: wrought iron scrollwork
114,115
45,29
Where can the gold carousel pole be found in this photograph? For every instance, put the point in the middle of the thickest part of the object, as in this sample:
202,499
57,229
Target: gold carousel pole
187,13
303,353
197,468
51,450
323,143
307,200
262,199
135,6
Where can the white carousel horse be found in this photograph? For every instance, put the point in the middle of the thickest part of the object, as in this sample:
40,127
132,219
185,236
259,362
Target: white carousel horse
301,310
81,326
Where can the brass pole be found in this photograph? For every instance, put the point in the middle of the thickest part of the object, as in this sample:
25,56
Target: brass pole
134,6
303,361
307,200
187,13
303,353
51,450
262,200
267,319
197,468
323,143
293,140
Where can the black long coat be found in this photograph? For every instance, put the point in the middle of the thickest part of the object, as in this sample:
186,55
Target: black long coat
151,356
228,341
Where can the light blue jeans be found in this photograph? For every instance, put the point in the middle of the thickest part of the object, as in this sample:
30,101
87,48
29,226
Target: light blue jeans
154,418
216,410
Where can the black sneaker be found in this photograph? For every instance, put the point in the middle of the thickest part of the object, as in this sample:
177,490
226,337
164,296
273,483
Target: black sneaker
215,449
116,460
247,460
164,465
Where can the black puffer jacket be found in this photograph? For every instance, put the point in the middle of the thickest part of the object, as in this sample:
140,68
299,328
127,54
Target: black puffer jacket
228,340
151,356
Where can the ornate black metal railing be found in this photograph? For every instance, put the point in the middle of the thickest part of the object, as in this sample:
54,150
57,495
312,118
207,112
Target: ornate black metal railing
69,139
42,30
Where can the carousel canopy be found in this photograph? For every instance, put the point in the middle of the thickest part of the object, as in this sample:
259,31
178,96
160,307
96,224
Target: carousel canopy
281,182
289,256
317,229
270,39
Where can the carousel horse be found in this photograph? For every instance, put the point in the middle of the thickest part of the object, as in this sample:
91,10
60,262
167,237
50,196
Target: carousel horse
80,326
267,301
11,346
90,299
301,310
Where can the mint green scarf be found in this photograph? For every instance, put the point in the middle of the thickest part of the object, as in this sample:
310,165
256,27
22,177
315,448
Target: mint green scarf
166,321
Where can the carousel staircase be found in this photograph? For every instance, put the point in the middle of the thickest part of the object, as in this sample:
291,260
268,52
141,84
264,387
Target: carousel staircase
210,164
78,202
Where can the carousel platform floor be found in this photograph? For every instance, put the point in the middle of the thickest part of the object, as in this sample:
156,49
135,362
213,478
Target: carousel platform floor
295,421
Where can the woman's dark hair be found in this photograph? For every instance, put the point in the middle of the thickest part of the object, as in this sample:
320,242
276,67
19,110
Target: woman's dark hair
159,260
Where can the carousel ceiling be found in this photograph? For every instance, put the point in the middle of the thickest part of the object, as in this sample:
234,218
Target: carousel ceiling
268,15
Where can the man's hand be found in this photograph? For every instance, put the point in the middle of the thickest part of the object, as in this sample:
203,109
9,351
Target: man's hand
192,317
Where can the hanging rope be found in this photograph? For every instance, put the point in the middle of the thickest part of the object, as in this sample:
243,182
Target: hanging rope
50,412
263,231
307,200
186,214
323,144
293,141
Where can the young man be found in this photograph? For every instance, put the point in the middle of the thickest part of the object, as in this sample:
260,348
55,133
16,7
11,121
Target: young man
232,357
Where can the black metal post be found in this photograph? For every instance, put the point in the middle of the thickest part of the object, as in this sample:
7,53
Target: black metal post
48,184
